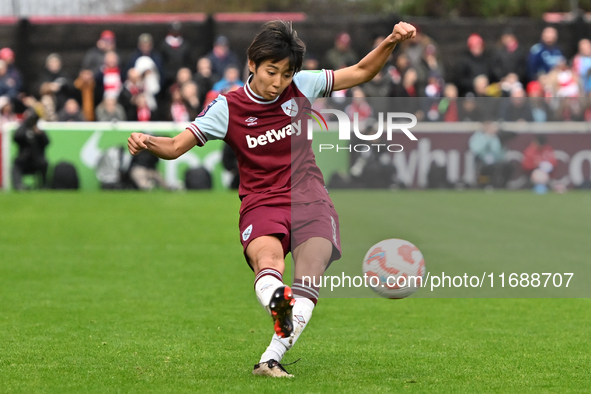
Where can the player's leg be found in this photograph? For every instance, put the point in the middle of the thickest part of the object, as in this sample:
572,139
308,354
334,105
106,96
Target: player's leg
315,243
265,252
265,256
311,258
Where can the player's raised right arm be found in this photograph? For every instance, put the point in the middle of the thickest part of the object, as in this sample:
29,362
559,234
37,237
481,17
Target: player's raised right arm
164,147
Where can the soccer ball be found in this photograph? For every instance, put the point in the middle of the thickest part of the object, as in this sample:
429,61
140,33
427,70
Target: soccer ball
395,268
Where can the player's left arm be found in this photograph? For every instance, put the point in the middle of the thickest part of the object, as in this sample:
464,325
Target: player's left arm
373,62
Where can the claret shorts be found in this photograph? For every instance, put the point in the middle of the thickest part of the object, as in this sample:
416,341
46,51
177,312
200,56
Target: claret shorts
293,225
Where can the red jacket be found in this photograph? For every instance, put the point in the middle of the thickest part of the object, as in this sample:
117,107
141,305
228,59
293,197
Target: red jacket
534,154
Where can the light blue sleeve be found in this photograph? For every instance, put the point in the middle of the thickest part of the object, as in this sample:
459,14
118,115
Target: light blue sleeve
477,143
212,122
314,84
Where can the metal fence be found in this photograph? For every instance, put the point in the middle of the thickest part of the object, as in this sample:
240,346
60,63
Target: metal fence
26,8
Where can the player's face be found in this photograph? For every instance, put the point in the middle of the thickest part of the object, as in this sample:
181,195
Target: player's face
271,78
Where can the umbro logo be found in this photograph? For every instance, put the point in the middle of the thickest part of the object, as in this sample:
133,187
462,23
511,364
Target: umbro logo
251,121
300,319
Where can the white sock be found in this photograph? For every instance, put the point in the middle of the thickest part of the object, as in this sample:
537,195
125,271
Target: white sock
302,313
265,284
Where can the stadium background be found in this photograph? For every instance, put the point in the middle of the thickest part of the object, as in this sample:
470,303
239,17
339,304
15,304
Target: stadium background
34,38
137,292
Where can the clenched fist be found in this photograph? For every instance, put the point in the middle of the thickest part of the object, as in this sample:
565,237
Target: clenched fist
137,143
403,31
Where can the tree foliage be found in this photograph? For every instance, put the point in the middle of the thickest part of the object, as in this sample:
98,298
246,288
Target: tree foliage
434,8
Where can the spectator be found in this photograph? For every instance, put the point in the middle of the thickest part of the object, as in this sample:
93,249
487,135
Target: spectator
150,81
489,154
230,164
399,69
47,104
380,86
448,106
545,55
178,111
230,82
204,77
538,163
359,105
517,108
310,62
71,112
547,87
221,57
143,112
481,86
475,62
582,64
540,109
341,55
429,65
408,86
94,57
31,141
587,103
108,79
433,92
176,53
509,58
86,85
110,110
7,83
145,47
538,154
54,81
6,111
7,55
131,88
469,109
183,76
415,49
30,102
571,109
564,80
434,86
143,172
508,83
190,99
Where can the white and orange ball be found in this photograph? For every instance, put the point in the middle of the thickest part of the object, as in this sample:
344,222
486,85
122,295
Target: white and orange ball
395,268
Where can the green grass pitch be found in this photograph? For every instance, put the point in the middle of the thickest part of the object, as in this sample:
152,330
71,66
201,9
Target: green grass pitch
139,293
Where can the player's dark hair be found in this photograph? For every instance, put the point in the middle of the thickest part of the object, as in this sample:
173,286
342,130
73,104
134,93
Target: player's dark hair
277,41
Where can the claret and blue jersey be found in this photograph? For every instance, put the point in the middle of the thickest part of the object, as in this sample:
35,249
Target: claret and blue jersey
276,166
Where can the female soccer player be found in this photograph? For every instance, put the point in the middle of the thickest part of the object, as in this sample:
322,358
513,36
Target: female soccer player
285,206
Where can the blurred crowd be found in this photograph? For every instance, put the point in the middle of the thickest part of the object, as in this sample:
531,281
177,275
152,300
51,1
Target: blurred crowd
158,82
161,81
539,83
